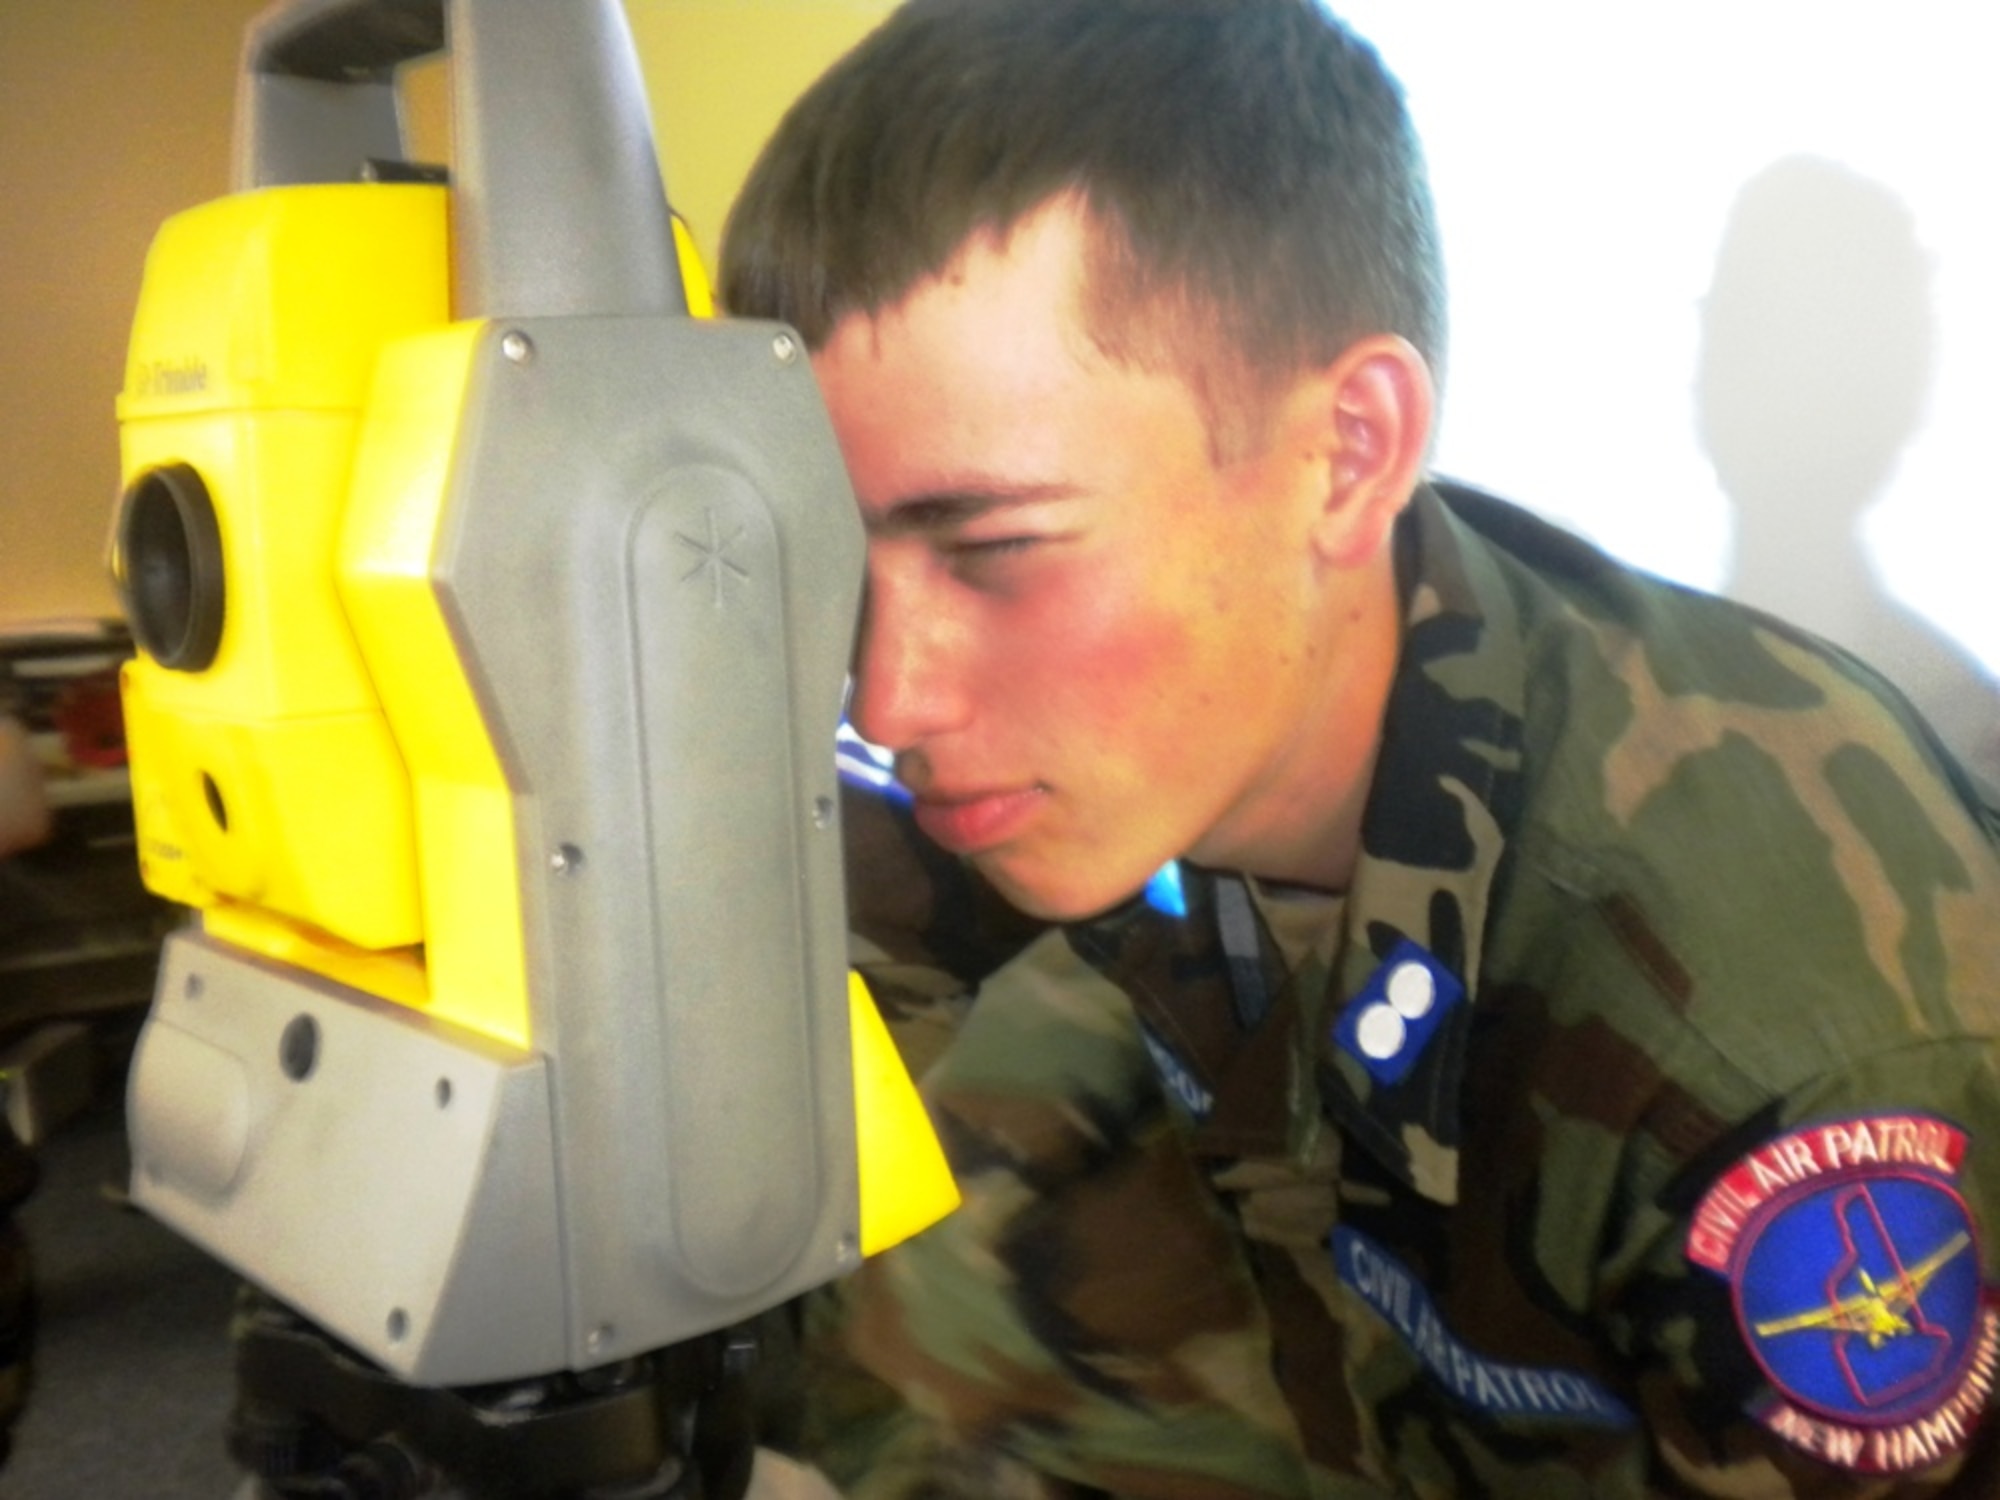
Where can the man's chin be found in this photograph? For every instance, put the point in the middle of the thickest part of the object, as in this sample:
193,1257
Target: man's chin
1055,895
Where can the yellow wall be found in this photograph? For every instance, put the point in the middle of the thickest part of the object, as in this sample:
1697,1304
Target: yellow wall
114,115
720,73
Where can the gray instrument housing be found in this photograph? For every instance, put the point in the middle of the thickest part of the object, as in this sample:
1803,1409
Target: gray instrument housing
650,567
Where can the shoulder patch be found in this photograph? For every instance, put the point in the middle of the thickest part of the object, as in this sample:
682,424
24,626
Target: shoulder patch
1854,1267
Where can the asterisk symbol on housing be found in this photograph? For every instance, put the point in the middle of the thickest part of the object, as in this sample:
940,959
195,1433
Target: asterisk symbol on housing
714,554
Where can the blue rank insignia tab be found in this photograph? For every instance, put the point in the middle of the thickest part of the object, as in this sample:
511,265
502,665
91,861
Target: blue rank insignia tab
1387,1025
1854,1266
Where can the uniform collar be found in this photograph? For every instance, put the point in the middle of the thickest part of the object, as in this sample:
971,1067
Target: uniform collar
1442,805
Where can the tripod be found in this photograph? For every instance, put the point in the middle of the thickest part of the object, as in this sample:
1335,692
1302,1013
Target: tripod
315,1421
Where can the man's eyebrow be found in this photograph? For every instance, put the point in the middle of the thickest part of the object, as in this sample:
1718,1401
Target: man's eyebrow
944,510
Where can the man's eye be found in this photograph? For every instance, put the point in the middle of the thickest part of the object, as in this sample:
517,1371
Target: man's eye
977,549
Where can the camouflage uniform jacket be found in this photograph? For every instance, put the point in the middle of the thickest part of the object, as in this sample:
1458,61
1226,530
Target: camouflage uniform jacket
1638,1133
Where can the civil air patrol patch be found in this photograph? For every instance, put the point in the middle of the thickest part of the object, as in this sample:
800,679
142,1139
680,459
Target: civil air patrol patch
1855,1270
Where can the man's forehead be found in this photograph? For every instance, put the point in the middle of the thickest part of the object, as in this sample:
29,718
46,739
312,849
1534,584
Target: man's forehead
1040,258
1059,293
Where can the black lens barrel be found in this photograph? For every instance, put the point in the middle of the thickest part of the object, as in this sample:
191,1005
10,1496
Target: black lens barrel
170,567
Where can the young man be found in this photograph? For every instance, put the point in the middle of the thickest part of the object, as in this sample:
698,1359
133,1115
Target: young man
1559,1059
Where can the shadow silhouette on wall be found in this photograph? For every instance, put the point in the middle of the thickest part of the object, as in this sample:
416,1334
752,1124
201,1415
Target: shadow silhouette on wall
1818,346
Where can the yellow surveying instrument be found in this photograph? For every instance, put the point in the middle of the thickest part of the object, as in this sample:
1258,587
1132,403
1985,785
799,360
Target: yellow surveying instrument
493,616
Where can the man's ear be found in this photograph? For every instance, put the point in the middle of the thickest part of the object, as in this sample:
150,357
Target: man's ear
1381,406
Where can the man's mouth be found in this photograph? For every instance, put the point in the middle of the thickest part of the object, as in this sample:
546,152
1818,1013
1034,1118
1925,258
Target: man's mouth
977,821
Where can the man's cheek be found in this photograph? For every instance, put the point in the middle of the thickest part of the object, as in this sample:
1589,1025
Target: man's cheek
1124,666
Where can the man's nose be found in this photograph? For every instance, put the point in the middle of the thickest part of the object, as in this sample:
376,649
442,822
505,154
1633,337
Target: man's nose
909,667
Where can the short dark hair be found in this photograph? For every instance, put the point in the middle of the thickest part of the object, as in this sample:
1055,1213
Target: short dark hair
1253,182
